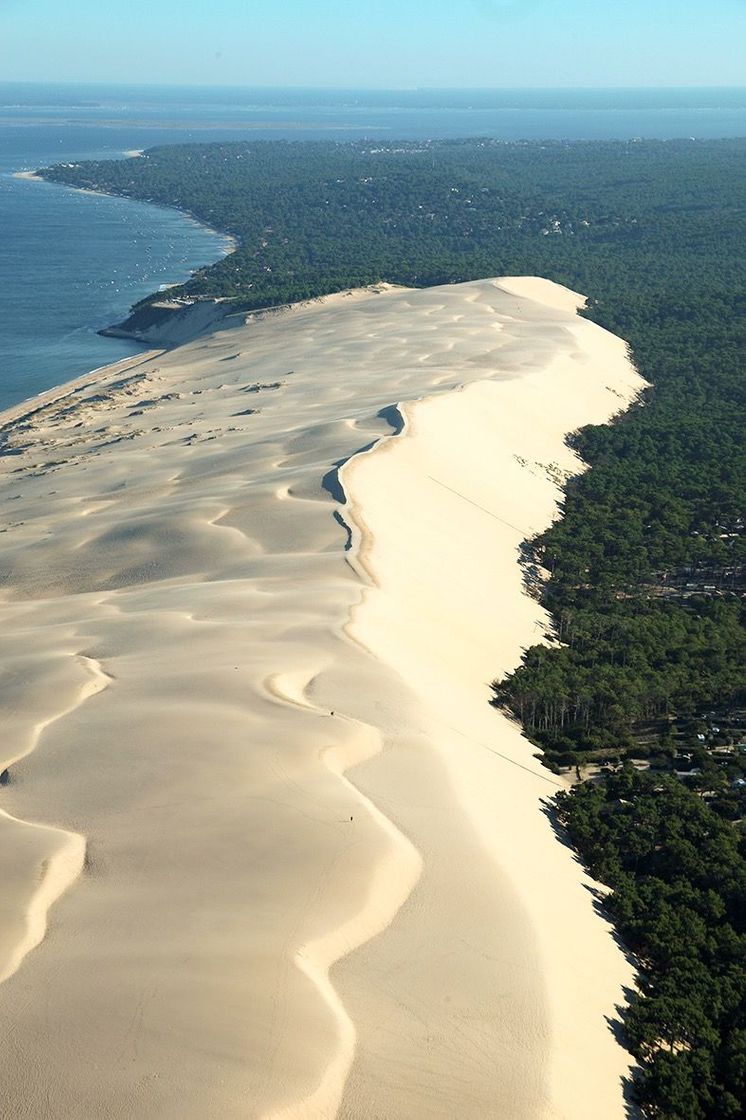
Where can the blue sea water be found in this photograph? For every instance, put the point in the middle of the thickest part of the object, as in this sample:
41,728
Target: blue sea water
71,263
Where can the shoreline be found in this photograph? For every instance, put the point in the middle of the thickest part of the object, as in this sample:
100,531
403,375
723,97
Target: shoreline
97,376
285,781
231,239
229,242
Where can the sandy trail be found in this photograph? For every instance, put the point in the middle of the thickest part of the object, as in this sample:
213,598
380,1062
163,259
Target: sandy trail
318,880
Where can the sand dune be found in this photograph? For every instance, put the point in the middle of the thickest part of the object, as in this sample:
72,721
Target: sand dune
248,628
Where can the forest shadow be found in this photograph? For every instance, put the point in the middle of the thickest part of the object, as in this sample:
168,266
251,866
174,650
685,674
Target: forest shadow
614,1023
549,809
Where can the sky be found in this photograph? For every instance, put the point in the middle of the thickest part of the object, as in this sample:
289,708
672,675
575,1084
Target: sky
376,43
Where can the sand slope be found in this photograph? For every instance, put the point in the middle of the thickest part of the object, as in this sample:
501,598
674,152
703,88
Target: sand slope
246,668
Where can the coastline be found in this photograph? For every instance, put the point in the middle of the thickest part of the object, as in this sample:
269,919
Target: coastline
97,377
229,244
188,529
231,241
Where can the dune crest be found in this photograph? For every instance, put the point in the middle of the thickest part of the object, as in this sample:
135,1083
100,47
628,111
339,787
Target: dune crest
54,857
319,881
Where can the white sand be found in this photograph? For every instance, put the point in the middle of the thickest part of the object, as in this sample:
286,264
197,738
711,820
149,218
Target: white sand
318,878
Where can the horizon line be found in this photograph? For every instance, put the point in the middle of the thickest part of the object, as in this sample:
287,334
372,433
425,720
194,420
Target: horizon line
368,89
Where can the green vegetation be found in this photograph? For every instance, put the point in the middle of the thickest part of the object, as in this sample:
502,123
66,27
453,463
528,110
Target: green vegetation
655,232
678,873
314,216
648,565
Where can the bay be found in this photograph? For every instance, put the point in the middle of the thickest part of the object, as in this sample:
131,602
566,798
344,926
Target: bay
71,263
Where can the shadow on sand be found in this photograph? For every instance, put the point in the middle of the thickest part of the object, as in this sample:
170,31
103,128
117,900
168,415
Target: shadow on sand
615,1023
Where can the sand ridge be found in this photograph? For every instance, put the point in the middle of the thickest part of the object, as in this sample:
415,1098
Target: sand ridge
296,902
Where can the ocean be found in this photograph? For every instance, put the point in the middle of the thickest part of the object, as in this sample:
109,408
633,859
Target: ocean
71,263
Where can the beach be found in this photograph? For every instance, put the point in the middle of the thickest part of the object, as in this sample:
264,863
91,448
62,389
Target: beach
268,850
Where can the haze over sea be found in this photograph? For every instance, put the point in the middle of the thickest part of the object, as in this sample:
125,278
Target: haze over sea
72,263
